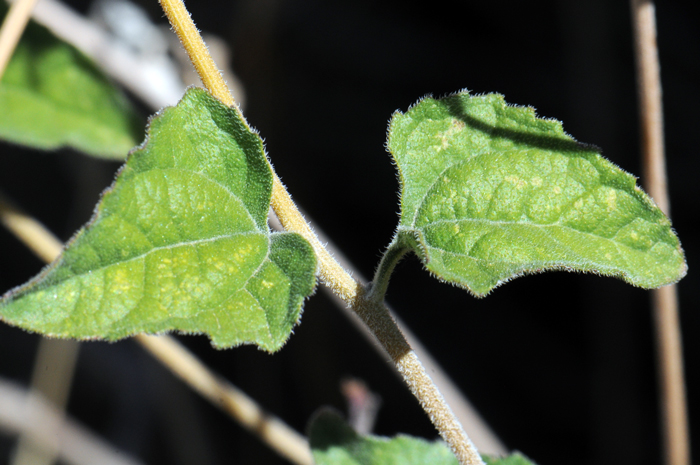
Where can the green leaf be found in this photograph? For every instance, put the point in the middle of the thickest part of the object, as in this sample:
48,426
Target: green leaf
515,458
179,242
52,96
334,442
490,192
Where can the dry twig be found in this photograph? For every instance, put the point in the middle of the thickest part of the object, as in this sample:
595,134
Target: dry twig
664,300
12,29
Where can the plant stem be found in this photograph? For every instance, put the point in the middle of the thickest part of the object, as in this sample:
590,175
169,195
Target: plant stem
271,430
482,435
12,29
394,253
378,319
664,300
334,276
196,49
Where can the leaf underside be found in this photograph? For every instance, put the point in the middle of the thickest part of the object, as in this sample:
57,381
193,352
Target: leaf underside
334,442
52,96
490,192
179,242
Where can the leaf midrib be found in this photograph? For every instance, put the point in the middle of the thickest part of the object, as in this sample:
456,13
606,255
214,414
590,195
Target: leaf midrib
499,222
156,249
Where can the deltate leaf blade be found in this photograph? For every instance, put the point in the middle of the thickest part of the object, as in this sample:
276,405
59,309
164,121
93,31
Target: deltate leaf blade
490,192
52,96
179,242
334,442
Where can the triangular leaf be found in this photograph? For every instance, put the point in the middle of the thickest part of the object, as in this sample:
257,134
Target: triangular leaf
490,192
179,242
52,96
334,442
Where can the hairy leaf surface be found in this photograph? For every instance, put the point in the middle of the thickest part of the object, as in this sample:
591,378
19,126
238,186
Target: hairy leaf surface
179,242
52,96
490,192
334,442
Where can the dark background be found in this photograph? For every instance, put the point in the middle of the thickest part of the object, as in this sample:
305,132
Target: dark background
561,365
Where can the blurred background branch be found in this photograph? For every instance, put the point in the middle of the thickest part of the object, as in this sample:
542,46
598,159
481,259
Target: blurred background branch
669,345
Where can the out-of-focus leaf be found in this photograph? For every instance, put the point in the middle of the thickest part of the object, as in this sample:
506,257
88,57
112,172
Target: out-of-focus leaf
52,96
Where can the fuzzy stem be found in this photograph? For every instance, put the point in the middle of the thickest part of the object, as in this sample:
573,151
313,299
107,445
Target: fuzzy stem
351,291
12,29
664,300
196,49
394,253
332,274
378,319
482,435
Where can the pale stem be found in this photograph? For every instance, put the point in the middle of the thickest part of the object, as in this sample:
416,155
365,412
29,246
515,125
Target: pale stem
377,318
271,430
12,29
332,274
185,29
342,284
664,300
52,378
26,413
